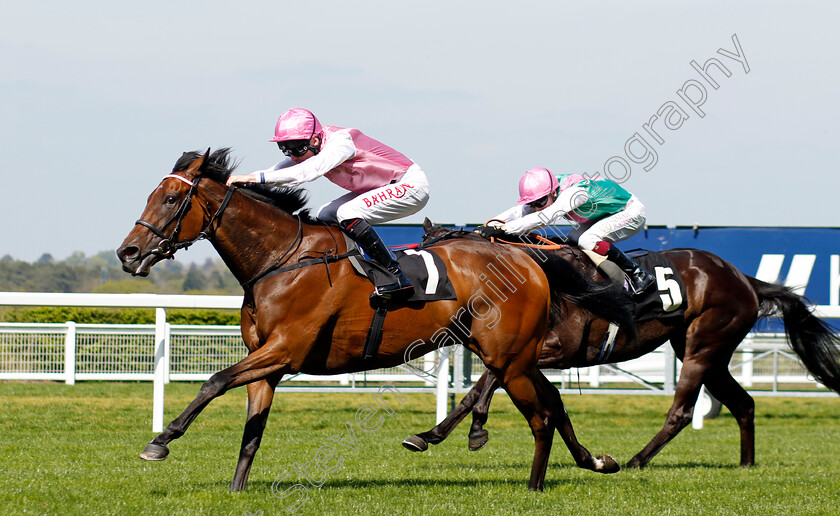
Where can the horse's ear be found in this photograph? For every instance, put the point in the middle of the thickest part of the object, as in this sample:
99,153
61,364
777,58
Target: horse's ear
427,224
198,165
204,161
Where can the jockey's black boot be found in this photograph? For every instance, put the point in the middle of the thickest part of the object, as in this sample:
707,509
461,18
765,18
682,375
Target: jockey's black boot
364,235
639,278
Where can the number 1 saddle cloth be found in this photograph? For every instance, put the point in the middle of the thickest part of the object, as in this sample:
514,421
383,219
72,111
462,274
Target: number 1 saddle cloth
423,267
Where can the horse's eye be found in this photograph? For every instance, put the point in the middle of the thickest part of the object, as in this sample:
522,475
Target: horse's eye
170,200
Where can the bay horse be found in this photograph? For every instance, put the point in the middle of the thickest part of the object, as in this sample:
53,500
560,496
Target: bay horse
305,310
723,305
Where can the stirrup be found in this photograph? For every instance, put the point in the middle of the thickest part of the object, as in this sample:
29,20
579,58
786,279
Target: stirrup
640,280
402,288
393,291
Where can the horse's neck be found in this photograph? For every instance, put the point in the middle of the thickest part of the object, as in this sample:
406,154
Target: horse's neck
252,236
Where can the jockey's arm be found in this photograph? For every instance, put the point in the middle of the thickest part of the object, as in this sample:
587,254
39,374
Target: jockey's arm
568,200
517,212
339,149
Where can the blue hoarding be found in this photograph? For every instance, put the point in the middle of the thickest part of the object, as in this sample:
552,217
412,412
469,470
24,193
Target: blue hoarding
807,258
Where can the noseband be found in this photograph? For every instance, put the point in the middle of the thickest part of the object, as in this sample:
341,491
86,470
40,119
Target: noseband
167,247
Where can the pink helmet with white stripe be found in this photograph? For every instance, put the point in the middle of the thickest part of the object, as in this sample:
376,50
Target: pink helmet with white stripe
536,184
296,124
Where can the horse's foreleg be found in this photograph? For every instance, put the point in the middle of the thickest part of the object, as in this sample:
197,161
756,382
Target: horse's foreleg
420,442
256,366
478,435
582,457
723,386
260,396
679,416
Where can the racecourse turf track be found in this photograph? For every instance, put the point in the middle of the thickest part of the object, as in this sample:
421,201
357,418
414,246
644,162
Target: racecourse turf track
74,450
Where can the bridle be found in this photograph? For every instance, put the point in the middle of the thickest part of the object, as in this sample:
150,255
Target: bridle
167,247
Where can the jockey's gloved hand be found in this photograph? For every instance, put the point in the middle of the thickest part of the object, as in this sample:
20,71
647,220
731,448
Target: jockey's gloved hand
490,231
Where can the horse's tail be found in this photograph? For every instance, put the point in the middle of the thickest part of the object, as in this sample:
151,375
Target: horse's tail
601,298
815,341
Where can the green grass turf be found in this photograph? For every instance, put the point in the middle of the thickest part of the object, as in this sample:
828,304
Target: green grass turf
74,450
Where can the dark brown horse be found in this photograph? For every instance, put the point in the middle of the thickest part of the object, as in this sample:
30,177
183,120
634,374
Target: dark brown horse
723,304
312,313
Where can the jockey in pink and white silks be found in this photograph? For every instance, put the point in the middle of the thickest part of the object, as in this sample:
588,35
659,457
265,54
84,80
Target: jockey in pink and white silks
384,185
601,211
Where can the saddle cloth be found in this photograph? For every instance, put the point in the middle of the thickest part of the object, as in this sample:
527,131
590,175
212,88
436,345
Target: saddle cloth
668,298
423,267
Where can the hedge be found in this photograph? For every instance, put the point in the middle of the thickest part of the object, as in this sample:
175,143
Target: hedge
82,315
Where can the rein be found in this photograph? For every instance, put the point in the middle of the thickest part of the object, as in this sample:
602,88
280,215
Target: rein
326,259
296,242
545,243
168,246
453,233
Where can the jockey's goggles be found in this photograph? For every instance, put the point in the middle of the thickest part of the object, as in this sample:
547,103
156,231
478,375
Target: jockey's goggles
296,148
539,203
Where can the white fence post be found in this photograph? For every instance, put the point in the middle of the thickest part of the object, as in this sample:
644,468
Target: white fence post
70,354
594,376
167,350
458,380
747,364
701,408
670,383
442,390
429,365
160,363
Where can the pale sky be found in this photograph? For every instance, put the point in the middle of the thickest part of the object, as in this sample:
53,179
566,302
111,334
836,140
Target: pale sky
98,100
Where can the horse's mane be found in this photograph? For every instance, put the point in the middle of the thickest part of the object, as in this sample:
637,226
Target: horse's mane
219,167
435,233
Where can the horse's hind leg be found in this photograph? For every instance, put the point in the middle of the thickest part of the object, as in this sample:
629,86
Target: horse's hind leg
529,398
679,416
420,442
723,386
260,396
582,457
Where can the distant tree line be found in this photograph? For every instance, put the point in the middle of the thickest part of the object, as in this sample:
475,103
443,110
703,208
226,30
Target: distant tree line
102,273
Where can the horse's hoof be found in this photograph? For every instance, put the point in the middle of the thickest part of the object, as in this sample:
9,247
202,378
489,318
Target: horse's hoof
478,439
606,464
634,463
154,452
415,443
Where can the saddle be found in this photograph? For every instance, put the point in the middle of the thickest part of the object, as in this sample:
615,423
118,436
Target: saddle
424,268
666,300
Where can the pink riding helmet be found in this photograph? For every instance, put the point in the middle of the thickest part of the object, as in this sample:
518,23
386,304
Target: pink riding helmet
536,184
296,124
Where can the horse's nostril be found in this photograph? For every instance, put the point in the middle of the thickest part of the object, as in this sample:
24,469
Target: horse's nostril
127,253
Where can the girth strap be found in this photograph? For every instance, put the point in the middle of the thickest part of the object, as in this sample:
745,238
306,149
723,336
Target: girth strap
374,337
